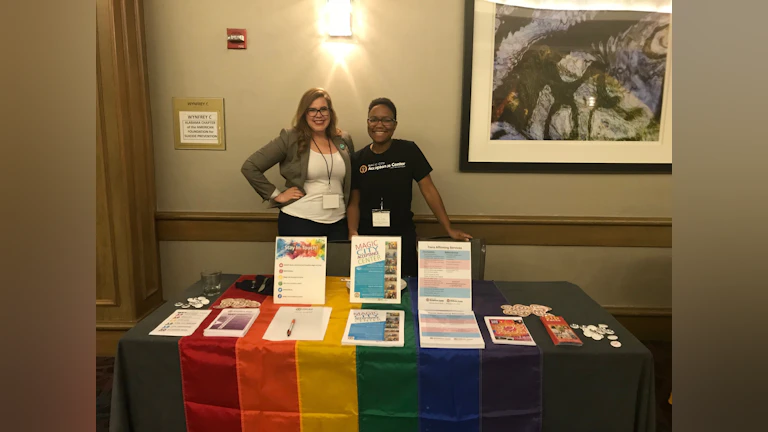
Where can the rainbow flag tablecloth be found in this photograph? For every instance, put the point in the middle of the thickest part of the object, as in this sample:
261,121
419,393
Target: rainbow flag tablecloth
249,384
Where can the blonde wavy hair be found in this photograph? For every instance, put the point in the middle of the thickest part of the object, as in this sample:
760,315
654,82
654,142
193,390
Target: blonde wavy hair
300,119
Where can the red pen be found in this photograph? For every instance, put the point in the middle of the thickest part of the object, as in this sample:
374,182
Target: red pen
290,329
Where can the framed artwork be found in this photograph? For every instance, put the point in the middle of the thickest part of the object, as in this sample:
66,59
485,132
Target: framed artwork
548,90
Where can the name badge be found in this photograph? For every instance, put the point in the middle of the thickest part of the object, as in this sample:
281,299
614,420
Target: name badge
380,218
330,201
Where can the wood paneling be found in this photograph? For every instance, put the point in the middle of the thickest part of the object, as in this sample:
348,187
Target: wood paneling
496,230
647,324
128,282
107,293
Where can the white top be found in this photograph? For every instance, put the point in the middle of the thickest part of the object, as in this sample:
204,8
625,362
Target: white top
310,206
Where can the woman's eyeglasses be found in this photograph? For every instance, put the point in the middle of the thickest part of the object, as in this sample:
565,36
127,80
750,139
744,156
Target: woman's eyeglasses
388,122
313,112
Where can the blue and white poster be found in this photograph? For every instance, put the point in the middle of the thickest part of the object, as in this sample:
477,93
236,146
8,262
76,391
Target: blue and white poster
375,270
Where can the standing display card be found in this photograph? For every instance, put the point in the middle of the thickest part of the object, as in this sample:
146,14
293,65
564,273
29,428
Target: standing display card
445,276
300,270
375,270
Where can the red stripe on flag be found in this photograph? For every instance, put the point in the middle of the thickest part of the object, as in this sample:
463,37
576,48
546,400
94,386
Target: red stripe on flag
209,375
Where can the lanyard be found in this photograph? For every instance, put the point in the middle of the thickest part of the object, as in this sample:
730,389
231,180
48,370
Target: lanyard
326,162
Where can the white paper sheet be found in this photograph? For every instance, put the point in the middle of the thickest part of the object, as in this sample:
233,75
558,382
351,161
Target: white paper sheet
311,323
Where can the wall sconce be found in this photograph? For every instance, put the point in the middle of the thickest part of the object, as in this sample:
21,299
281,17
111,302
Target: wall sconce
339,18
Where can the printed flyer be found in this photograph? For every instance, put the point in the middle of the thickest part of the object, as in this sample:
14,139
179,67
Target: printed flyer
300,270
445,275
375,270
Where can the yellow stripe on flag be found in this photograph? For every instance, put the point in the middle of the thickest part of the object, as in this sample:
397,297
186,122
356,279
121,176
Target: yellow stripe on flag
327,371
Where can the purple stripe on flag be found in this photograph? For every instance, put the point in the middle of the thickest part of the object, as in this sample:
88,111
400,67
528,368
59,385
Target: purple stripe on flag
511,375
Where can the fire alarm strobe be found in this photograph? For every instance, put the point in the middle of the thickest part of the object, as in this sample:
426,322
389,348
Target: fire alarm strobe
236,38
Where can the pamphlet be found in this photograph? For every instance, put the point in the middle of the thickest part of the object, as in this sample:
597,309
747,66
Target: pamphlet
449,329
559,330
232,322
371,327
181,323
509,331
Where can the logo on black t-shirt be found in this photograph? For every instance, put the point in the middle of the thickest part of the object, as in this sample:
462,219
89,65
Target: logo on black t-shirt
380,166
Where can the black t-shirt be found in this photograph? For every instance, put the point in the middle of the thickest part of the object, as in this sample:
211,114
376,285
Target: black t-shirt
389,177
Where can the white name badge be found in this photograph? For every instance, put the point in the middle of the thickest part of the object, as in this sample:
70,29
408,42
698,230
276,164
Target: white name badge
380,218
330,201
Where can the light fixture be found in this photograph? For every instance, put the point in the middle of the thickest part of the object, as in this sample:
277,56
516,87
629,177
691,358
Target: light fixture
339,18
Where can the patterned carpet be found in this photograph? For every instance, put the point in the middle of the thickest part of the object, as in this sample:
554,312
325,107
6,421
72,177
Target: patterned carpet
662,356
104,369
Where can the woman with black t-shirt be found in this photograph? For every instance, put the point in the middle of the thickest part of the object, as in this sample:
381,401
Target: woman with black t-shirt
382,176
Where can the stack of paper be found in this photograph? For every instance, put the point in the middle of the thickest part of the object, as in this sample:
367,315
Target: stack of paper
449,329
232,323
369,327
304,323
181,323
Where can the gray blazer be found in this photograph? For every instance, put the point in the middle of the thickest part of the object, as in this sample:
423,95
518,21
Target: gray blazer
293,166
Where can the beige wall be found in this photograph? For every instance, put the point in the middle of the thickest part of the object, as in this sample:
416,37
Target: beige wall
410,51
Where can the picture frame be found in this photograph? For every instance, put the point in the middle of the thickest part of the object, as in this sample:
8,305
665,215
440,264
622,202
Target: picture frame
599,140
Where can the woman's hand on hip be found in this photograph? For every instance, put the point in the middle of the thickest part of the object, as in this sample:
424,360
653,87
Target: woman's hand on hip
289,194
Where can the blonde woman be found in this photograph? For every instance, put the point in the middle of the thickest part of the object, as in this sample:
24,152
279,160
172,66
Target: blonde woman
314,157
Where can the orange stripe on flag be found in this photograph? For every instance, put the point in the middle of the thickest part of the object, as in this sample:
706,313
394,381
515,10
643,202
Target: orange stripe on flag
267,378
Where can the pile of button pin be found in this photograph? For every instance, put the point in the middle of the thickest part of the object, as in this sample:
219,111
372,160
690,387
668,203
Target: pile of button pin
195,302
598,332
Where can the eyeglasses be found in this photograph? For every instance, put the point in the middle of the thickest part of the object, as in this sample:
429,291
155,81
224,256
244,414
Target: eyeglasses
388,122
313,112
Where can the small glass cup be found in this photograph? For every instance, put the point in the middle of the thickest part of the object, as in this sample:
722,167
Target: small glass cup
211,282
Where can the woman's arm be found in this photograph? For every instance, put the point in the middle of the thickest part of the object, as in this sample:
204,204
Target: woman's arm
435,202
353,212
265,158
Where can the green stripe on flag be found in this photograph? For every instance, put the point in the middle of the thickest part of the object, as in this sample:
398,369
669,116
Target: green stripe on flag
387,380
